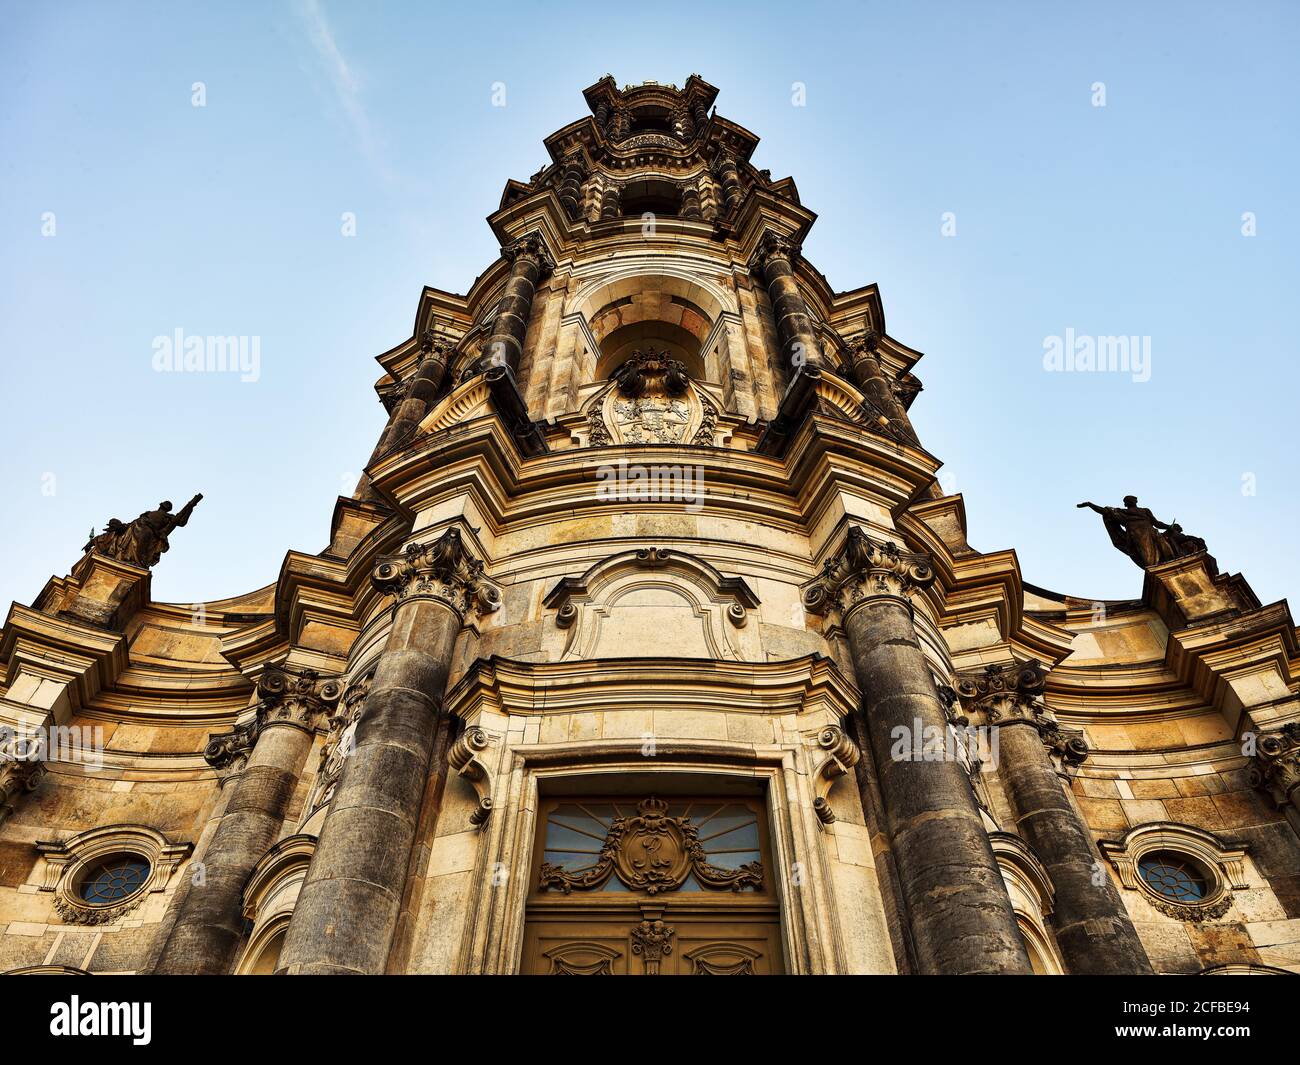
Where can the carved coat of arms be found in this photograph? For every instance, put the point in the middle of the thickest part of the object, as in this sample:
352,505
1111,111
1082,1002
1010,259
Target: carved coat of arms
651,400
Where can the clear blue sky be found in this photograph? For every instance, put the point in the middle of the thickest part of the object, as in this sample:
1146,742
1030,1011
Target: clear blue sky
225,220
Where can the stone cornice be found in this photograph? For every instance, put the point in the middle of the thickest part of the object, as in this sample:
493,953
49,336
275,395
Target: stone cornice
83,657
320,601
508,686
827,457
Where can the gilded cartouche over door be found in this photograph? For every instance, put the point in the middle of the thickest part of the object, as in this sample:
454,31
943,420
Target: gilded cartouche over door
652,887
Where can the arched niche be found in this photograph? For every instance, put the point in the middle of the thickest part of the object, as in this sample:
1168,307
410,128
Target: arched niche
659,196
677,342
1030,890
269,900
668,309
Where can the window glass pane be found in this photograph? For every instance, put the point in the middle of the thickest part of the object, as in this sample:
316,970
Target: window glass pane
114,879
1172,876
575,830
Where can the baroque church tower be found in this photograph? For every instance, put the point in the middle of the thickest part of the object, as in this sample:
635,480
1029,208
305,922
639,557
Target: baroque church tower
648,643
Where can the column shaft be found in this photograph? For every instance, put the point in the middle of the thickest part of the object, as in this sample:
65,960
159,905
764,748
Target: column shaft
347,911
729,178
425,386
869,376
209,927
961,915
1093,929
800,347
504,345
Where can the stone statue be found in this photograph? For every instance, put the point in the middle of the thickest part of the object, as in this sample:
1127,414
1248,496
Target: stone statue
1142,536
143,541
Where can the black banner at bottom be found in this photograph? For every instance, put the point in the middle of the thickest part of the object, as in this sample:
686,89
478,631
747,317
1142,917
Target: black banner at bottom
143,1014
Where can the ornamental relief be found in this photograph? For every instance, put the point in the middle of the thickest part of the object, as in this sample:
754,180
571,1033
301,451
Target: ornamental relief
654,853
339,742
651,400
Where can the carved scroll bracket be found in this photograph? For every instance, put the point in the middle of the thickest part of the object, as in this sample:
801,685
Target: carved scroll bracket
841,755
464,759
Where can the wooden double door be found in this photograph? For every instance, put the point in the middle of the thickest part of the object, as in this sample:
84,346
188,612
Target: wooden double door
654,887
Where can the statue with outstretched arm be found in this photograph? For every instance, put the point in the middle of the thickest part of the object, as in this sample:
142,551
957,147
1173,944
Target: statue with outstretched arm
143,541
1135,531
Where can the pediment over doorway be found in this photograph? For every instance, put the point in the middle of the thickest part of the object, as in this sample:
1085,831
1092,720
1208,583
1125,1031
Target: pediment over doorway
654,602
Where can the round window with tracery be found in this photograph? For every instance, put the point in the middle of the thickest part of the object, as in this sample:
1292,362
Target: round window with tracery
112,880
1173,877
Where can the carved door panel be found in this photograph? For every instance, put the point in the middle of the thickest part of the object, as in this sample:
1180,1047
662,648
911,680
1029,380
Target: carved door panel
652,888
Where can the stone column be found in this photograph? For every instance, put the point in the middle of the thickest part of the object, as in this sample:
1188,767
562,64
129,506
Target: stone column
729,178
1093,929
417,396
209,925
611,202
504,346
691,207
956,901
800,347
1276,770
870,377
570,190
348,909
529,263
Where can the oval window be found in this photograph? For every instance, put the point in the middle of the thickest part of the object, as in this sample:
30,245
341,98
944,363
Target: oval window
113,879
1173,877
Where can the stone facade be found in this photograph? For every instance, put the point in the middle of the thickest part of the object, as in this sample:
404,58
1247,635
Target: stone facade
649,530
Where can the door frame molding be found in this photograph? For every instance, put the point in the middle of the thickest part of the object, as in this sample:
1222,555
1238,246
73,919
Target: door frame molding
494,939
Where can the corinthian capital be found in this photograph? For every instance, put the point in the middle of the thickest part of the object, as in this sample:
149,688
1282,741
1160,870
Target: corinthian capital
774,246
1010,692
301,697
530,248
1276,768
17,776
443,569
866,569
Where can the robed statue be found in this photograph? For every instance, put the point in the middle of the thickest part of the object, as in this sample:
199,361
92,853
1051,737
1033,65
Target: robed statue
143,541
1142,536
